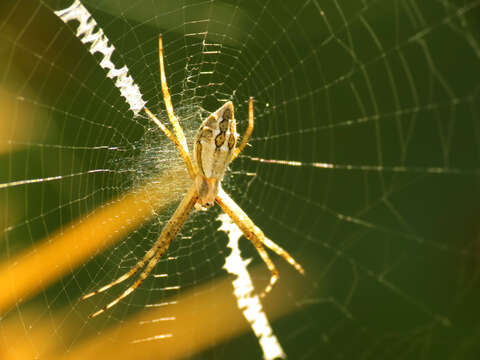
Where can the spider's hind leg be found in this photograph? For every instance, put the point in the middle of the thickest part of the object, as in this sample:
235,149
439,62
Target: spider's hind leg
125,276
256,236
168,233
270,265
151,264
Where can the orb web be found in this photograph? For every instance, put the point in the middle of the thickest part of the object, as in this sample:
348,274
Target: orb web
363,165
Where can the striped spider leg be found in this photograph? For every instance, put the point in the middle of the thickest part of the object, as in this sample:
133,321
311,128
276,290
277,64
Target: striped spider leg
214,149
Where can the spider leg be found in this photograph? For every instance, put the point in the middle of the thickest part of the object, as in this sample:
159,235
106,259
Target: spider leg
185,155
168,104
248,132
164,243
125,276
277,249
168,233
257,242
256,236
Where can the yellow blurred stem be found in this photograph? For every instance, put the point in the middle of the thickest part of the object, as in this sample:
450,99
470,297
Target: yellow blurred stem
194,321
38,267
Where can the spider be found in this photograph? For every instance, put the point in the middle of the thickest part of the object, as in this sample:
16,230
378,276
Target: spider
214,149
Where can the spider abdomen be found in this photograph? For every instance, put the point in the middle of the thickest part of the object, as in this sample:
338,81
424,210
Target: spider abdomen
215,141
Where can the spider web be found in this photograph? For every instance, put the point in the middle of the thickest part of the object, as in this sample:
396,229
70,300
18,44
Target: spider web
364,165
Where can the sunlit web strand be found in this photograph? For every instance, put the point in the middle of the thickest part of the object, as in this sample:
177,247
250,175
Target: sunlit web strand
364,119
20,224
380,277
75,116
53,178
373,168
152,338
370,225
417,37
68,147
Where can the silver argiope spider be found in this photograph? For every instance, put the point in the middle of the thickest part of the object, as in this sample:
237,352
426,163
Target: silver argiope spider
214,148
